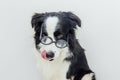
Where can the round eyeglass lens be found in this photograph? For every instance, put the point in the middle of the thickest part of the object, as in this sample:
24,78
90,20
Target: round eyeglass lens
46,40
61,43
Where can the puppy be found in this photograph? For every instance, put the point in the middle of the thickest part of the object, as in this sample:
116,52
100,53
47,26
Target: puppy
59,54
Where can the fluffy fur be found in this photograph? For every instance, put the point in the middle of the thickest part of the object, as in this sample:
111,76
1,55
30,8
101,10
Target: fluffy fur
68,63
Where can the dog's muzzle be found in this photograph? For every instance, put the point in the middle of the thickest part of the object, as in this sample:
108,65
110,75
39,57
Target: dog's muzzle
47,55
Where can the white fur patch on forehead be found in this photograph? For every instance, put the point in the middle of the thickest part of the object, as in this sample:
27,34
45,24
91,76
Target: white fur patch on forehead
51,23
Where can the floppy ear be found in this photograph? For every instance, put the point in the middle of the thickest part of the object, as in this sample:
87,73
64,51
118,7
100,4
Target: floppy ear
74,18
37,20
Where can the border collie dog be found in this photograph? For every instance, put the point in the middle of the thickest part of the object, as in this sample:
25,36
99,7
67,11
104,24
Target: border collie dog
59,54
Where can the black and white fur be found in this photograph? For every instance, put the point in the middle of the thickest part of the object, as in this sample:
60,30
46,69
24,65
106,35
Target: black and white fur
68,63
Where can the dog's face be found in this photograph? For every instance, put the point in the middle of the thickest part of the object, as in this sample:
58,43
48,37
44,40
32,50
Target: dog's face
54,33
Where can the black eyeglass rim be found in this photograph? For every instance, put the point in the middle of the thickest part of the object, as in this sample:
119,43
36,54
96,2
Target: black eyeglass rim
54,42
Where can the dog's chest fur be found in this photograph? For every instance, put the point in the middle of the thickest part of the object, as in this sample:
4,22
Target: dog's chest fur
54,70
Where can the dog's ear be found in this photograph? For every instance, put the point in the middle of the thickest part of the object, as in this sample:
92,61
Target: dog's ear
37,20
74,18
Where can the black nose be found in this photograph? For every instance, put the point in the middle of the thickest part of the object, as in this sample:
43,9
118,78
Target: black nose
50,54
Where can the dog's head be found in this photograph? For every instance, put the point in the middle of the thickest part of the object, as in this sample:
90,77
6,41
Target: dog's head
55,33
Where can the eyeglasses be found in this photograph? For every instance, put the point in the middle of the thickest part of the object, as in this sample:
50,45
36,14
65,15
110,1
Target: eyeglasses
46,40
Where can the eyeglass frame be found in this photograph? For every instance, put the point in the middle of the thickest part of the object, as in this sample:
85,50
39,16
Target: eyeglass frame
55,42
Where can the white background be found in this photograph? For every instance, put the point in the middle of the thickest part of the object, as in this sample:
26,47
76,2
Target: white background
99,35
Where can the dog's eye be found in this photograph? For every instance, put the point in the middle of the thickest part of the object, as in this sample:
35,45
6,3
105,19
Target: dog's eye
58,35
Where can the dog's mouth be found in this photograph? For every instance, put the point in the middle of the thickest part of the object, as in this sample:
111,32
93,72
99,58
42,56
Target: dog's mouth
43,54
